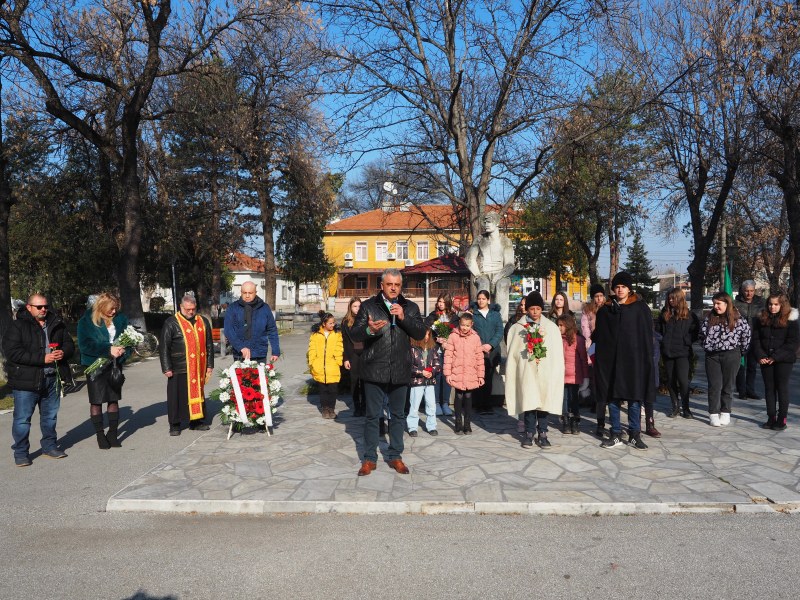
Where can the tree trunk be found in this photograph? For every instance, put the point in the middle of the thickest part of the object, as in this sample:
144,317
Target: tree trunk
6,202
268,229
127,270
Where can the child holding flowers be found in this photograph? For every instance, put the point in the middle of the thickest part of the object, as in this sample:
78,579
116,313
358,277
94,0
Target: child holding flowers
534,370
325,355
426,365
463,369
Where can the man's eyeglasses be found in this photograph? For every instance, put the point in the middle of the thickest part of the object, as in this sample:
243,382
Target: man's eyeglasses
39,306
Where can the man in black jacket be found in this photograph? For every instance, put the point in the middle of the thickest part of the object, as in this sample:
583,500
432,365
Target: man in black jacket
186,378
385,323
35,346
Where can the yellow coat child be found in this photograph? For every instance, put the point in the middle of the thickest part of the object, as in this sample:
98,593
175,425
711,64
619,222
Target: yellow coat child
325,355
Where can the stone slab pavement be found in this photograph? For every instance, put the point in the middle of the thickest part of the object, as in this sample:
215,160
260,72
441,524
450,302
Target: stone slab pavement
309,465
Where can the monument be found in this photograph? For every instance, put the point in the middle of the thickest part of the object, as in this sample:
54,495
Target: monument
490,259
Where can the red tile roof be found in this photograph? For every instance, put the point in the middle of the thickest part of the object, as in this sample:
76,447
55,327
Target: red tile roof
415,218
449,263
241,262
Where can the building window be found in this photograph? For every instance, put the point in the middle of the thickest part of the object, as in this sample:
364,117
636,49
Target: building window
381,250
422,250
402,250
284,292
361,282
445,249
361,251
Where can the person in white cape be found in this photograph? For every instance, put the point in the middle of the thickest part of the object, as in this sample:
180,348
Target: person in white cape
534,387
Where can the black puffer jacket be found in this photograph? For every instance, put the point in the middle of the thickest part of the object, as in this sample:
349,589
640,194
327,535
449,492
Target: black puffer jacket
678,335
778,343
387,355
24,348
171,348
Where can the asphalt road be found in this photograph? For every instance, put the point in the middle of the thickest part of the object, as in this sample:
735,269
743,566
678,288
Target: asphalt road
57,541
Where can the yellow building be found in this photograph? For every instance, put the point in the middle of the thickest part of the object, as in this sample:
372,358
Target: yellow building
401,236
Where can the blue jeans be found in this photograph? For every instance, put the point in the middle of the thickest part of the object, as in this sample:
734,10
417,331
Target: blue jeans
443,390
418,392
49,401
634,416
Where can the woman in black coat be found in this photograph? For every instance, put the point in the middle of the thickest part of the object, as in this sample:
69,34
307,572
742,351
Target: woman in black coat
776,338
352,354
679,328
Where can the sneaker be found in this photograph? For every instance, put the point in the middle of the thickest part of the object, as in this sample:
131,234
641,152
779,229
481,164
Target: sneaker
520,426
446,411
542,441
714,420
527,440
55,453
612,441
770,423
22,461
636,442
412,433
433,432
780,424
439,412
724,418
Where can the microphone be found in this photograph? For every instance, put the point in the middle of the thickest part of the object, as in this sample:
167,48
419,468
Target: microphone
394,317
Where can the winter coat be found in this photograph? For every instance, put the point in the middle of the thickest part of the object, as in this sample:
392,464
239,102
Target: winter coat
94,341
623,360
489,328
387,354
750,311
719,337
421,360
172,348
325,355
463,360
25,348
531,385
778,343
352,350
576,364
264,333
677,335
587,327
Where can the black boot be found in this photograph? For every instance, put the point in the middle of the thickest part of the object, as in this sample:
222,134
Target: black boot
111,435
575,425
467,424
459,427
675,410
102,442
685,412
601,428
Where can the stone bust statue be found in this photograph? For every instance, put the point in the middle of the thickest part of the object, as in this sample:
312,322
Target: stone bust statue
490,259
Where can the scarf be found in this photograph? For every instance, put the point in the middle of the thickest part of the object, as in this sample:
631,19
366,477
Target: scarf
248,317
194,343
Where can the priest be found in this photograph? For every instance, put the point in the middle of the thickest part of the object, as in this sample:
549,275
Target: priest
187,360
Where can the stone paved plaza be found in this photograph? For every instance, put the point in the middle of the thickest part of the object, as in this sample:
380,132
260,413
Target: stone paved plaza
310,464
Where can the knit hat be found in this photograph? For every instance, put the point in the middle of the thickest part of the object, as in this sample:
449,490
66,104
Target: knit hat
622,278
596,288
534,299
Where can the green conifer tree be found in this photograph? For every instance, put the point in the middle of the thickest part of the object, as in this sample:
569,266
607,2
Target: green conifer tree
638,265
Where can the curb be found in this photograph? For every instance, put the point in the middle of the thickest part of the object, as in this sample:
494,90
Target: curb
267,507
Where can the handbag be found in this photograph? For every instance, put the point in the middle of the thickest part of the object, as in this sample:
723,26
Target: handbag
116,378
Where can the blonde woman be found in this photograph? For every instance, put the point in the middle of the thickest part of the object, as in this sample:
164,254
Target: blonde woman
97,330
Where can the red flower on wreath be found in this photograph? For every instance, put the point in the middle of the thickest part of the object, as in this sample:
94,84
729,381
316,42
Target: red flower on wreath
249,394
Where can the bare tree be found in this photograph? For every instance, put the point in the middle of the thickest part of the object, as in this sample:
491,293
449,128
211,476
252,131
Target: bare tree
459,94
702,125
96,64
770,63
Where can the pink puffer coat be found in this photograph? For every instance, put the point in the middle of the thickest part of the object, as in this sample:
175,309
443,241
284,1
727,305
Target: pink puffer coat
463,360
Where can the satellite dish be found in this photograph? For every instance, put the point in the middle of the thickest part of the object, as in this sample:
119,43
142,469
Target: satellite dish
388,186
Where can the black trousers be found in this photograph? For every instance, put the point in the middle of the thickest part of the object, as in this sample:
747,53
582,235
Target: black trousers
178,401
374,393
746,376
327,394
678,379
463,405
776,383
482,397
